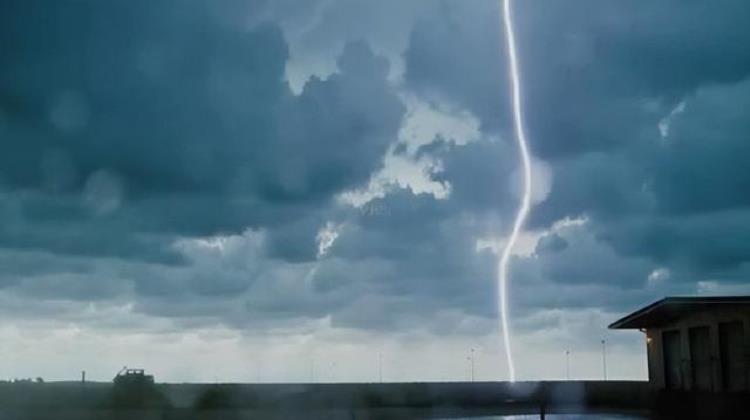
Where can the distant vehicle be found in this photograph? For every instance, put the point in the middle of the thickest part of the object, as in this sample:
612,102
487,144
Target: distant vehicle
133,377
134,389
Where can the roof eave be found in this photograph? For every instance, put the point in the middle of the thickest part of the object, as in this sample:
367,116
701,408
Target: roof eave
622,323
631,321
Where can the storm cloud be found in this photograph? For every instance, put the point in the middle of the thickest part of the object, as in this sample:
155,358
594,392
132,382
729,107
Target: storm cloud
265,166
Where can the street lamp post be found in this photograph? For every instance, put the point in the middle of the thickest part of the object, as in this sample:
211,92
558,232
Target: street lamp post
380,367
472,365
567,364
604,358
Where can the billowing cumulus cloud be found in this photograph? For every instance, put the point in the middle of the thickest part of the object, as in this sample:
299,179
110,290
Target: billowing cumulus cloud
170,120
337,171
598,84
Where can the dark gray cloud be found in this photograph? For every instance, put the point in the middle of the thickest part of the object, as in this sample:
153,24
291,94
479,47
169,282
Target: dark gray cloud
456,54
167,118
155,155
599,78
588,66
550,243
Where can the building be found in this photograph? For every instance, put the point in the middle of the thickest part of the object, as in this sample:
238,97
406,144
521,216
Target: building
696,343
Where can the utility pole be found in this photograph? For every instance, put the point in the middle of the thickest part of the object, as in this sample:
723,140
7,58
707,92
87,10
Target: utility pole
604,358
472,365
567,364
380,367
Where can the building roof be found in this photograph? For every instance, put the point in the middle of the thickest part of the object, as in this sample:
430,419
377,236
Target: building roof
672,308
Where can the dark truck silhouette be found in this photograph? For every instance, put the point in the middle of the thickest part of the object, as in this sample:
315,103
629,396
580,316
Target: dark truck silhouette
134,389
133,377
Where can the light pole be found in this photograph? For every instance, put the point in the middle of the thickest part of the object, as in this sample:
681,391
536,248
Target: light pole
380,367
472,365
604,358
567,364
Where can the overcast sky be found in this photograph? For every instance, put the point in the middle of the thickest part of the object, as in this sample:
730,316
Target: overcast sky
285,190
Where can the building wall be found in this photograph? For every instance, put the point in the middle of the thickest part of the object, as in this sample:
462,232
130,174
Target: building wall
712,320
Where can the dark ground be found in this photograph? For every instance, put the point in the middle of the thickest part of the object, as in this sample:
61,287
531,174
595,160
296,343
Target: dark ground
78,401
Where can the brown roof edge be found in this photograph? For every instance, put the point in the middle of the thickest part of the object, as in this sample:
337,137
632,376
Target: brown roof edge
646,309
697,300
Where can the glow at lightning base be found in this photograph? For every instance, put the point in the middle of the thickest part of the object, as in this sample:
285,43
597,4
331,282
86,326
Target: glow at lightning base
525,205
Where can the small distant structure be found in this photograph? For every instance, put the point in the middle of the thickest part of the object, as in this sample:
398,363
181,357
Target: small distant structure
696,343
133,377
134,389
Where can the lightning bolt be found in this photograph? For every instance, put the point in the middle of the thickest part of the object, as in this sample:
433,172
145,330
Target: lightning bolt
525,205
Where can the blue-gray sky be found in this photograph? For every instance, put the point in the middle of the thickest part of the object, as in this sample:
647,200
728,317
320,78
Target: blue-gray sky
279,185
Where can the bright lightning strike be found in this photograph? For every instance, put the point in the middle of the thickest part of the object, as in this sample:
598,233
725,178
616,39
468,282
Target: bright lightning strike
523,209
